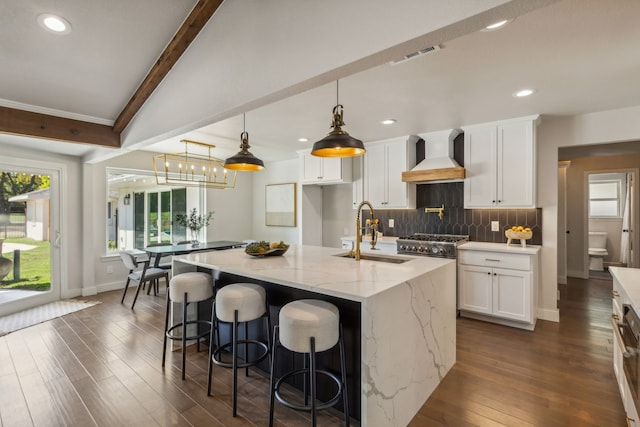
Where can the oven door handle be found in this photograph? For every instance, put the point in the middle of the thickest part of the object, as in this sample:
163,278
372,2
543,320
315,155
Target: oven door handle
619,339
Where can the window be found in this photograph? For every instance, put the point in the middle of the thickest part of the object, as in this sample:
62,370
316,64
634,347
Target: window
604,198
141,212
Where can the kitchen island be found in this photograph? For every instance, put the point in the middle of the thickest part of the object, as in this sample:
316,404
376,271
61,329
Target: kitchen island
405,322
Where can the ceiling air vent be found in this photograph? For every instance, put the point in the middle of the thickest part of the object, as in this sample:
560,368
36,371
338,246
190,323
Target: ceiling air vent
414,55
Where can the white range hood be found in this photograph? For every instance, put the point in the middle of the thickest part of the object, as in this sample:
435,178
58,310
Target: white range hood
438,164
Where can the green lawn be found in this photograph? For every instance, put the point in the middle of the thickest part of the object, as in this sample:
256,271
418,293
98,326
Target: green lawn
35,269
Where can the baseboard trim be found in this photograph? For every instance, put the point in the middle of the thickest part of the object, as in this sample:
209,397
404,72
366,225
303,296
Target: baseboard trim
550,315
578,274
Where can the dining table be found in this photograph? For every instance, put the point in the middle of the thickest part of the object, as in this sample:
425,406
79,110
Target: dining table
157,252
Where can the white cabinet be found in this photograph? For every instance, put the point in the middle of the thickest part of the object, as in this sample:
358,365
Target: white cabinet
498,286
324,170
619,299
500,164
384,163
358,180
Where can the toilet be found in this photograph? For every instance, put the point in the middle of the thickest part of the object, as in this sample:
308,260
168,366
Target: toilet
597,250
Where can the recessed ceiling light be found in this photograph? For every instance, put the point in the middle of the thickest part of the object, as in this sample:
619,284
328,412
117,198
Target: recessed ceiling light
523,92
496,25
303,139
388,121
54,23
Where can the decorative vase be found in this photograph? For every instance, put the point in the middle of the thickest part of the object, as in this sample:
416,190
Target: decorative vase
5,263
194,237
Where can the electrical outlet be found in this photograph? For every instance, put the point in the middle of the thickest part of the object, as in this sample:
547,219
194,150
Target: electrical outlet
392,223
109,269
495,226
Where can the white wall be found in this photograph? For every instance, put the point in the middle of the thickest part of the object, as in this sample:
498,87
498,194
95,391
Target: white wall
282,172
337,214
554,132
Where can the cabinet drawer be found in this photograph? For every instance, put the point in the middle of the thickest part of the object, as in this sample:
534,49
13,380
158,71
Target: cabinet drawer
495,259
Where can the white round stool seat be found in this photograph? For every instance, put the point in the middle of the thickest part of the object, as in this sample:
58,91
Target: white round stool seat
198,286
300,320
248,298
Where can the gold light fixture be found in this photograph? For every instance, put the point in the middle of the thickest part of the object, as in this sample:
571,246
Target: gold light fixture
244,160
338,143
191,169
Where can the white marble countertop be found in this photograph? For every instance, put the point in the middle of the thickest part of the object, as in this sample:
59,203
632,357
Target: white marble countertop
317,269
629,279
500,247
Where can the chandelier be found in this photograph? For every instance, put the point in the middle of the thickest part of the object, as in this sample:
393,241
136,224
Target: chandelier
191,169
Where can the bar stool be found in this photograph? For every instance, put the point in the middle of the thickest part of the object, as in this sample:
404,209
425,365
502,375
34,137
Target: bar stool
309,327
187,288
237,303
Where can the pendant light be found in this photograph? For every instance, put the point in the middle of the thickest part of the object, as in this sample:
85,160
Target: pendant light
244,160
338,143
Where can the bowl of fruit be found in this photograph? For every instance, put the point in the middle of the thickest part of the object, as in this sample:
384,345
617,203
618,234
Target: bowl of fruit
519,232
263,248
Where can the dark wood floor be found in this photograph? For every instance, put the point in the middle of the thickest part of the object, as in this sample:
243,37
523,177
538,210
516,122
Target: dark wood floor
101,366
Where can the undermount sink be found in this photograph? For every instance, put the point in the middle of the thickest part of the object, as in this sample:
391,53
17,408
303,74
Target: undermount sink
376,257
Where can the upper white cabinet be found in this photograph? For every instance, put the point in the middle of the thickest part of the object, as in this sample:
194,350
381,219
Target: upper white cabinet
358,180
384,163
500,163
324,170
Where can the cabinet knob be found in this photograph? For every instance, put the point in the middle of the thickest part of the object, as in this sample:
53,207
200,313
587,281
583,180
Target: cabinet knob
495,274
489,273
493,201
499,201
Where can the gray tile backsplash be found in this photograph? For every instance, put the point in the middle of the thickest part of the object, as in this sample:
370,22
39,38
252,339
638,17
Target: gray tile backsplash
457,220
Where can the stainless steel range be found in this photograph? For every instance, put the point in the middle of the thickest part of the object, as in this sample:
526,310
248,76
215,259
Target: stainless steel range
437,245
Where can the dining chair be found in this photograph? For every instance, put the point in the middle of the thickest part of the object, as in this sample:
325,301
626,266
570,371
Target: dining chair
150,275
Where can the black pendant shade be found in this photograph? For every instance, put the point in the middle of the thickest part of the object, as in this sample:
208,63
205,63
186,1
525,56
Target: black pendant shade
244,160
338,143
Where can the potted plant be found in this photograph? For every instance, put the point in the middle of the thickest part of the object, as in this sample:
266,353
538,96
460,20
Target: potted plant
194,223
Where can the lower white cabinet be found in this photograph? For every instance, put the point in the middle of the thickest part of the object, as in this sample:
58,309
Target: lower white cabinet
620,298
499,285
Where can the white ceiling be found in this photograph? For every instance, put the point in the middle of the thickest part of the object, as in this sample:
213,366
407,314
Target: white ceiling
580,55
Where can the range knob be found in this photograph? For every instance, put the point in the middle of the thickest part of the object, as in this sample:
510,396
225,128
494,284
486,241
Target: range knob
434,250
413,248
420,248
403,247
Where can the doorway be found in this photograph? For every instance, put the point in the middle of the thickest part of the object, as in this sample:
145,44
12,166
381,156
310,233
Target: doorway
31,233
610,220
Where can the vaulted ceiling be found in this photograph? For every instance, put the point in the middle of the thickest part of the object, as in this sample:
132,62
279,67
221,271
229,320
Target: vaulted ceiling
580,55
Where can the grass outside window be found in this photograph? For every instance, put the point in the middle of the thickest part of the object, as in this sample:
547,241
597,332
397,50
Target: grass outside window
35,267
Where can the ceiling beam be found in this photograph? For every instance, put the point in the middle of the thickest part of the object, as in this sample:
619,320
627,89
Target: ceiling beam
37,125
190,28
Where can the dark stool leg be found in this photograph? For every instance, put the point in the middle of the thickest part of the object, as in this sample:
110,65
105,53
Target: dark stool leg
234,362
166,329
246,347
211,338
343,369
312,379
184,333
272,380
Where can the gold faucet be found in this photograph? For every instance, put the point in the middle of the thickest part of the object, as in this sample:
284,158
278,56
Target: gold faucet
359,229
439,211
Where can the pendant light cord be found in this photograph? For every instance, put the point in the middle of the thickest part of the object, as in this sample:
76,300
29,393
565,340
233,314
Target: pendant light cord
337,92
